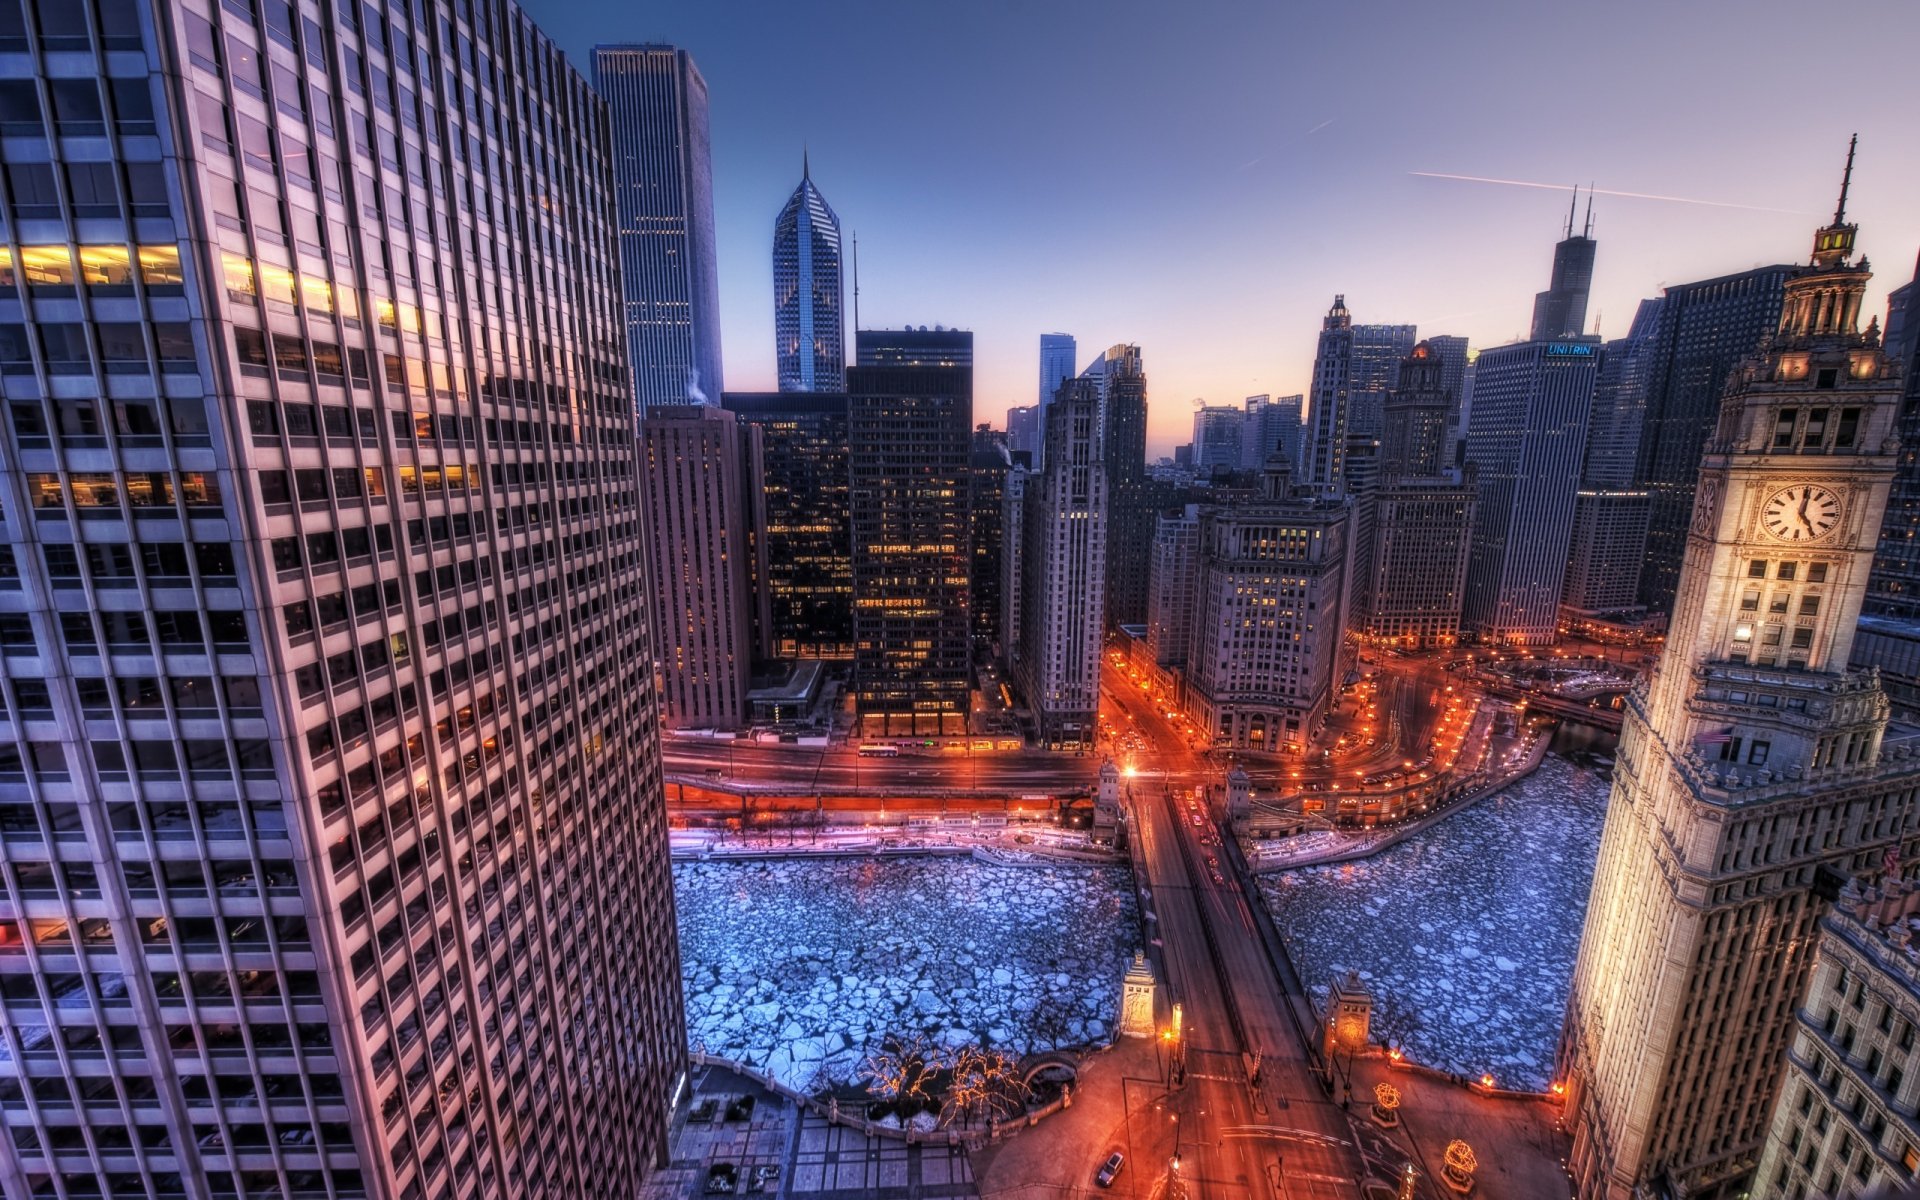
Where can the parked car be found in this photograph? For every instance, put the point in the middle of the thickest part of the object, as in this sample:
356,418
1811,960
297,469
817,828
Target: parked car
1110,1170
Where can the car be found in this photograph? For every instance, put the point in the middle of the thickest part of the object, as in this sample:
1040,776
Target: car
1110,1170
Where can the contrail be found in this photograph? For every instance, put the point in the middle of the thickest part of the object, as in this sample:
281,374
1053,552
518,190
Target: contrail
1323,125
1561,187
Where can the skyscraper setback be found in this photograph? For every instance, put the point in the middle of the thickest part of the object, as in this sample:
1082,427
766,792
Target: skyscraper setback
663,192
810,341
337,686
1561,310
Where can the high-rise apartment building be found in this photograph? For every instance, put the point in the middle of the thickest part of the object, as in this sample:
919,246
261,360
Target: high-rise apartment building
1063,574
1131,506
1266,645
800,524
809,321
699,465
1702,330
663,193
335,842
1846,1120
1525,438
1894,590
1410,586
910,429
1751,776
1561,310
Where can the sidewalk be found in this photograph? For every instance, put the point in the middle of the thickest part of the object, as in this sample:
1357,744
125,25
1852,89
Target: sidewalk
1059,1156
1517,1142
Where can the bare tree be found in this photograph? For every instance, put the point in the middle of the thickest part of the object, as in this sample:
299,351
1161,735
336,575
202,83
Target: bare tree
1395,1021
986,1083
901,1070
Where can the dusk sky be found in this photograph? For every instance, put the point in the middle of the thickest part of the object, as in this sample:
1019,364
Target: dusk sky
1202,178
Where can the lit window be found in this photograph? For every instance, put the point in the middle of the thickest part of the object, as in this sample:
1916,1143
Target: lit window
160,266
46,266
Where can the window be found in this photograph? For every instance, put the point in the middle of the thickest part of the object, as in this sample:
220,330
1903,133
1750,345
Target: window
1783,428
94,189
20,114
1809,606
76,108
1816,573
1757,569
1788,570
34,196
1849,428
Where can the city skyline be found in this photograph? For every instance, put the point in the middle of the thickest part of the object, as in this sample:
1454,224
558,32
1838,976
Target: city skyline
1249,238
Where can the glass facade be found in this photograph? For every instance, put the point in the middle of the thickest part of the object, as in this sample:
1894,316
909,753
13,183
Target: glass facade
663,192
808,313
334,850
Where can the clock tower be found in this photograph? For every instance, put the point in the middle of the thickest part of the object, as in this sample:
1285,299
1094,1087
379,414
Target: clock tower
1751,778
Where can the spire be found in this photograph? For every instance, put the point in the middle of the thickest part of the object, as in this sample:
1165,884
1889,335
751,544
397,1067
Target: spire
1589,232
806,167
1571,206
1846,181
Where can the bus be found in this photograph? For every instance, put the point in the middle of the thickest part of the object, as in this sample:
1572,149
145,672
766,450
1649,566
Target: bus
880,751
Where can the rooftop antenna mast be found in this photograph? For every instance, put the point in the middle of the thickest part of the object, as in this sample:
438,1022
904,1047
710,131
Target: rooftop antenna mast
1589,233
1571,206
856,281
1846,181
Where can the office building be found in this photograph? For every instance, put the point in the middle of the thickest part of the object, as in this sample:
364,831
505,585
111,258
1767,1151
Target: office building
913,347
1419,519
986,504
1217,440
330,792
663,192
1453,355
1751,777
910,427
699,465
1561,311
1524,442
1620,403
1271,426
1131,496
1603,555
800,523
1013,560
1844,1122
1064,573
1023,432
1353,369
1176,540
809,316
1894,590
1702,330
1265,652
1059,354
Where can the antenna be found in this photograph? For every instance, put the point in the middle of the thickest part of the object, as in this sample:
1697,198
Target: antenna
1589,233
1571,205
1846,181
856,281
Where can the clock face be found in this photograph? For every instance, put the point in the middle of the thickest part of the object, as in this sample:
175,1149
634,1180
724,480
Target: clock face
1801,513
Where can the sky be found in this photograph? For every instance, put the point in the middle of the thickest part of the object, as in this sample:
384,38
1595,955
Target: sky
1203,176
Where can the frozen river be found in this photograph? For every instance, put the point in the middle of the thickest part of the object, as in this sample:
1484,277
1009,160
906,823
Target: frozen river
1464,932
798,965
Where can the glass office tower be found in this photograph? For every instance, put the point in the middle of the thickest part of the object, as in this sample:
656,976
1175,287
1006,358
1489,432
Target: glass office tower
334,851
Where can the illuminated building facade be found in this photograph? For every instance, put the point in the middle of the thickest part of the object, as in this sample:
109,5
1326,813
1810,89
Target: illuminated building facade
1751,778
698,462
1063,573
1844,1122
1176,541
909,431
334,838
1895,589
801,527
1122,376
1265,650
663,193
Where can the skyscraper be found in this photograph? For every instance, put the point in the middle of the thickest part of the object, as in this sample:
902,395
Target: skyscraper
1610,515
1058,356
1272,426
1130,494
1265,649
800,524
1895,587
810,340
986,504
1411,586
1217,430
1751,778
1063,575
663,191
1525,438
1170,602
1023,432
909,438
699,464
1353,369
1702,330
334,832
1561,310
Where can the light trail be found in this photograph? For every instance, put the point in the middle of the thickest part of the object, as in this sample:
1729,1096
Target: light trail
1561,187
